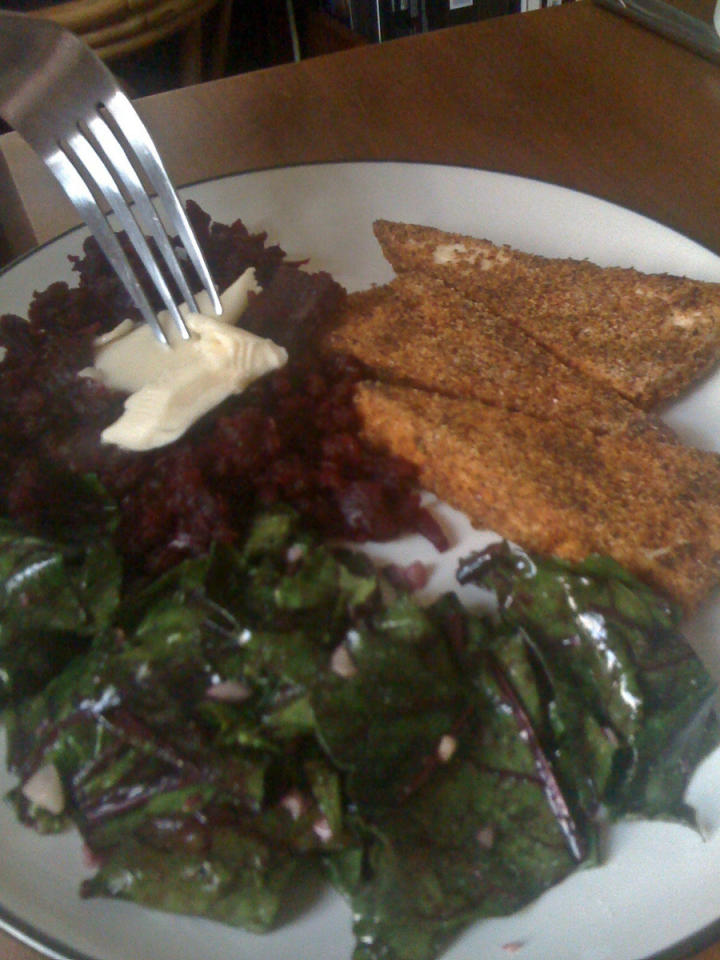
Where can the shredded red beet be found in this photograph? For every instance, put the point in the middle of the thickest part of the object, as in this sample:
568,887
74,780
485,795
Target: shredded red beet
293,437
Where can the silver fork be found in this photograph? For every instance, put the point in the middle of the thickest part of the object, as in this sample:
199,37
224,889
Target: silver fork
60,97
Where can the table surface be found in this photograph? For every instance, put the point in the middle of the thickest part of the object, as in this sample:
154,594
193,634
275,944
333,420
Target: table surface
572,95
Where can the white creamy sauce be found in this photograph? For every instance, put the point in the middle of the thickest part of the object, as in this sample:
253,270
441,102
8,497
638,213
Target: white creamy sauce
171,387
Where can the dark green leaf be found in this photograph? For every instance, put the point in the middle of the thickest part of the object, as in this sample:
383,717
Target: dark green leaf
54,597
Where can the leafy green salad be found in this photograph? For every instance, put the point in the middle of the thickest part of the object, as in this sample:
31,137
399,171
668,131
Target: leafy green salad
280,706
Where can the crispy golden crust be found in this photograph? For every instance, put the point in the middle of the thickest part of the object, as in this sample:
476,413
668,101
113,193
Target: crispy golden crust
647,336
512,385
651,505
418,332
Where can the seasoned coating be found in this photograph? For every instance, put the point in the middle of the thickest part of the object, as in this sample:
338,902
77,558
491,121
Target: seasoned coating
652,506
418,332
647,336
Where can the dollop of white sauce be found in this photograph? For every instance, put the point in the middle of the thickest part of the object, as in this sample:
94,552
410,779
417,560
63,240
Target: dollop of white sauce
171,387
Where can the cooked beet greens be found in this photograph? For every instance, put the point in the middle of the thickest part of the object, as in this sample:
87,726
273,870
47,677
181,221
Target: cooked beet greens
628,708
55,594
271,708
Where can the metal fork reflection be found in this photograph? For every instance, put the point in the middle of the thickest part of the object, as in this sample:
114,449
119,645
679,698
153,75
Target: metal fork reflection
60,97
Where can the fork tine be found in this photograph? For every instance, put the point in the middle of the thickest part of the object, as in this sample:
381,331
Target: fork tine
145,212
87,157
135,133
85,202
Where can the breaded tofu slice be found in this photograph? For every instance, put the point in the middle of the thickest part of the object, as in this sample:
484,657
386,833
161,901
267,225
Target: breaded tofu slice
648,336
650,505
417,332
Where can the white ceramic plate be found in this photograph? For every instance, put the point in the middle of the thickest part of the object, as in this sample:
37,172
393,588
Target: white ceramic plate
661,883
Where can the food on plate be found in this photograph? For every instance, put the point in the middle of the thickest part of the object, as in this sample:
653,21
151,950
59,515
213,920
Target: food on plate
653,506
202,672
523,437
648,337
275,707
291,437
417,332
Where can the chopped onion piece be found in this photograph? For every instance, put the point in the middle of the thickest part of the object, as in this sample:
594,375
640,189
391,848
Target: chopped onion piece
342,663
446,748
45,789
295,804
322,829
228,691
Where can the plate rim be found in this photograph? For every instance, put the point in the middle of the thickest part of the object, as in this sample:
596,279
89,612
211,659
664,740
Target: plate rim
376,162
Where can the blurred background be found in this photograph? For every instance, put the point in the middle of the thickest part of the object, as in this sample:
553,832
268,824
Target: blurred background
154,45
